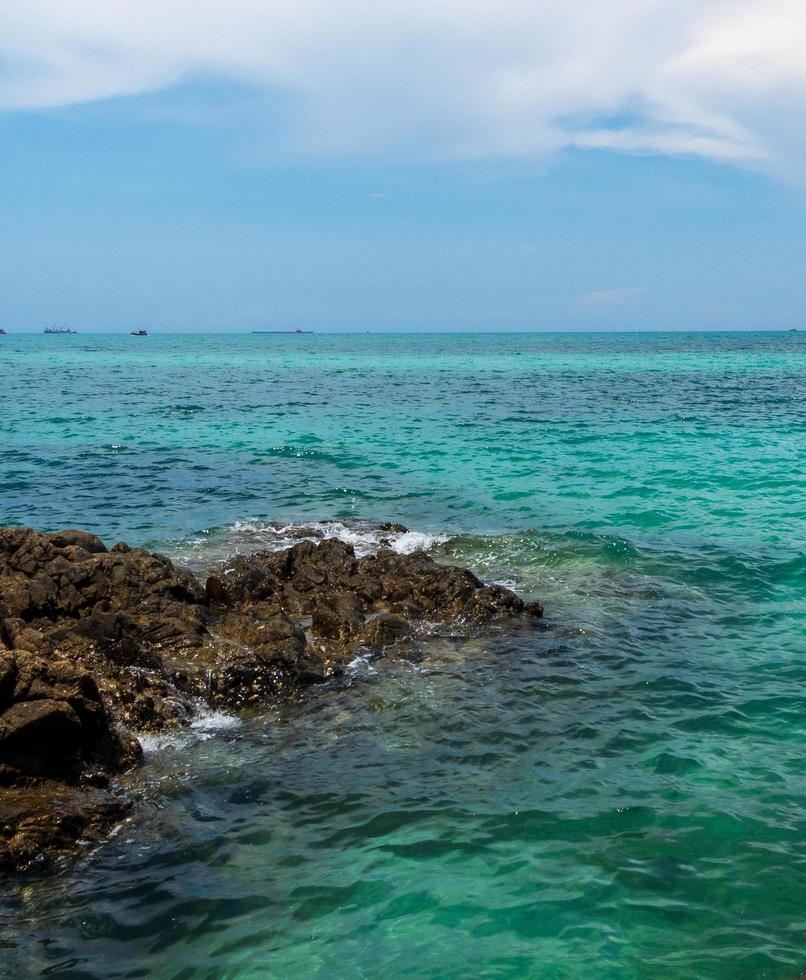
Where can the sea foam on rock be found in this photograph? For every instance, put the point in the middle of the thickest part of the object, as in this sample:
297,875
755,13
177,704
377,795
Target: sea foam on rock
98,644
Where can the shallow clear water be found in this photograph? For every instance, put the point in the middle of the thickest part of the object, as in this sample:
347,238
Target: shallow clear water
622,794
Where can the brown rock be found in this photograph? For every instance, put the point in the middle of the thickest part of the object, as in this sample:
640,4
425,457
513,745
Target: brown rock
8,677
248,578
493,602
37,823
312,567
338,617
217,592
78,539
42,737
383,631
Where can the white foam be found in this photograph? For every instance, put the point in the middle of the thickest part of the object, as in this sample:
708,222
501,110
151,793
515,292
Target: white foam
246,536
411,541
366,538
152,744
215,721
206,724
361,666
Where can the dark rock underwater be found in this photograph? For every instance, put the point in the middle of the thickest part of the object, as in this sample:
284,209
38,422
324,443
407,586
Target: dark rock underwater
98,645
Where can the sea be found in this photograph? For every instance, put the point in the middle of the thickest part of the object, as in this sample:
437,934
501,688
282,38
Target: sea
620,794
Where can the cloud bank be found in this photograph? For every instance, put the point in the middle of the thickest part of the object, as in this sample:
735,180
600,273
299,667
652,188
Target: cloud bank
719,79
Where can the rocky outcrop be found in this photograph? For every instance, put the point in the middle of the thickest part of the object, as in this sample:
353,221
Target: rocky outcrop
98,644
374,601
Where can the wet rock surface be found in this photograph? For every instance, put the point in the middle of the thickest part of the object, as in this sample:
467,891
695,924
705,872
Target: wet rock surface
98,644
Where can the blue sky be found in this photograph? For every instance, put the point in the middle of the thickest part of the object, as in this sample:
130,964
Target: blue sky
208,198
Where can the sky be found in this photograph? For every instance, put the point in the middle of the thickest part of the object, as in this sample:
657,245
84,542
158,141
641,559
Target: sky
385,165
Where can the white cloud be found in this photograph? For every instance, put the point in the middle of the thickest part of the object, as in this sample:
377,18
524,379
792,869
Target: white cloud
604,299
721,79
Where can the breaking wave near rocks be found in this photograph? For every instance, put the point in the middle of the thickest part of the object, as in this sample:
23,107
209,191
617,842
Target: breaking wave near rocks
246,536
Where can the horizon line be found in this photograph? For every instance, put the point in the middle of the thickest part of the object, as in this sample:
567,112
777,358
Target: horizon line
126,332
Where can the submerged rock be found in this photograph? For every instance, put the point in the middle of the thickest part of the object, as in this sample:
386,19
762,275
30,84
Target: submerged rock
98,644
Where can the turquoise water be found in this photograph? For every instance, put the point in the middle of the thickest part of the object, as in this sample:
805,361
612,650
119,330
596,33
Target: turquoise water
621,795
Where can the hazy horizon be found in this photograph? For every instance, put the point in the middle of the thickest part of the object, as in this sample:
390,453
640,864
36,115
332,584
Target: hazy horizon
459,330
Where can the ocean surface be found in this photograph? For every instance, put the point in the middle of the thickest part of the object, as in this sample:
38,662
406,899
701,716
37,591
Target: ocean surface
619,795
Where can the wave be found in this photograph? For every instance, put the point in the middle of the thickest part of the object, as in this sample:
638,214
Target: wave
245,536
206,724
366,537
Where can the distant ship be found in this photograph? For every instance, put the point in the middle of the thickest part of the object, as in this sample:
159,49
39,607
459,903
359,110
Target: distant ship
59,330
139,333
2,332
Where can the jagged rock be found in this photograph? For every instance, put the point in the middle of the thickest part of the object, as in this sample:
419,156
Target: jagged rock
79,539
45,579
495,602
253,661
8,677
217,593
245,579
440,591
384,630
37,823
338,617
42,737
96,644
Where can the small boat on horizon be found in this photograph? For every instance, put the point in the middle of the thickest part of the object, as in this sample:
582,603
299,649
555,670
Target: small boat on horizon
2,332
139,333
59,330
